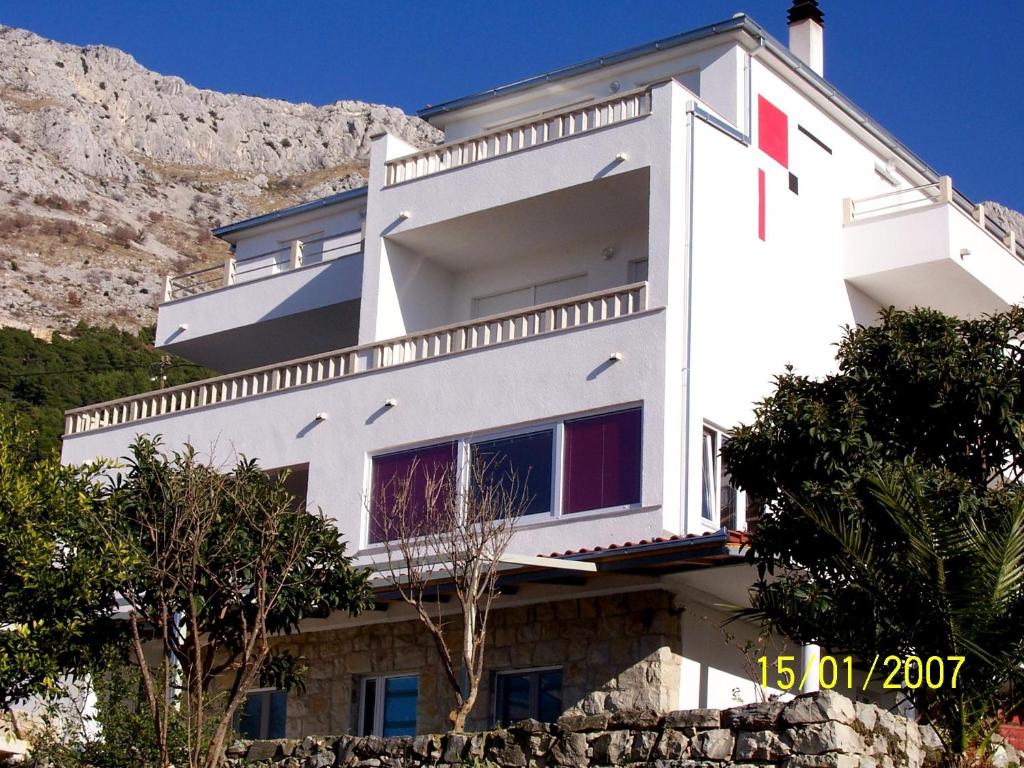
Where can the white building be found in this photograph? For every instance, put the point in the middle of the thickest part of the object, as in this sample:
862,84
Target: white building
598,272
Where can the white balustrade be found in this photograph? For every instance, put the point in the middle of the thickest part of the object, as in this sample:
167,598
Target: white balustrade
489,331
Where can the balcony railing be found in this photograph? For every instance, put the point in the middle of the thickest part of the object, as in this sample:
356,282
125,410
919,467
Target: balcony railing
941,191
295,254
575,312
505,141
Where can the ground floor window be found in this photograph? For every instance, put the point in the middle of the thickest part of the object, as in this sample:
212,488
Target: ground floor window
387,705
263,714
530,693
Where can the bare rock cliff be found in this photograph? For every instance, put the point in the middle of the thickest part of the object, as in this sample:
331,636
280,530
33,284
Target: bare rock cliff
111,175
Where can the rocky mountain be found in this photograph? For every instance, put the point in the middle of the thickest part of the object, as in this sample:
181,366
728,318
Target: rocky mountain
112,175
1007,218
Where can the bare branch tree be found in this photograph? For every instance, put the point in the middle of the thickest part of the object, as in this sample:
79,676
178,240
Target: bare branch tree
449,530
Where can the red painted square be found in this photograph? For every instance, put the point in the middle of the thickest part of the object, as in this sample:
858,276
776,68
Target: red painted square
760,203
772,131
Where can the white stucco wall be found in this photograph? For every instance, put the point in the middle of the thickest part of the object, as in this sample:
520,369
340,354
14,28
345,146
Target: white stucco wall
537,381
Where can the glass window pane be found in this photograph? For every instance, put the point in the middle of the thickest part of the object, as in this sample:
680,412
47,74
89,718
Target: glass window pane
400,695
251,716
728,495
392,472
753,512
549,696
602,461
513,697
369,706
708,473
526,459
278,715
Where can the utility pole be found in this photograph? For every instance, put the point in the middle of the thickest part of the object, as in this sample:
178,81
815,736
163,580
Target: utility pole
158,371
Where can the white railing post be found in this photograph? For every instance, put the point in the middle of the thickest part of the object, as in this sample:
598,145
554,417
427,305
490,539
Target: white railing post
847,210
229,271
296,255
979,214
1011,241
168,288
945,190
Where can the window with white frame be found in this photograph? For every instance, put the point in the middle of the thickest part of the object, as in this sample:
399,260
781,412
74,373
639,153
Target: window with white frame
263,714
521,465
387,705
583,464
528,693
721,502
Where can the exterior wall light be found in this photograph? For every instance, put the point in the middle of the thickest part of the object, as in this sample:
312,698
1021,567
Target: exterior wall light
965,252
615,357
390,402
622,157
322,416
405,215
608,252
183,327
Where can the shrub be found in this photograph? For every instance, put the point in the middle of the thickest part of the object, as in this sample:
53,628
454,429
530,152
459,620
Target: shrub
53,202
124,236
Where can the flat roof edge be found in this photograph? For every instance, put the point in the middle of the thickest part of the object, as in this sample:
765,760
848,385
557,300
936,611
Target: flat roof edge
283,213
740,22
590,65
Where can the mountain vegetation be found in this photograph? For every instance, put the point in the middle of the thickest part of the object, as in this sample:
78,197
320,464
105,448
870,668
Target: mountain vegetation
40,379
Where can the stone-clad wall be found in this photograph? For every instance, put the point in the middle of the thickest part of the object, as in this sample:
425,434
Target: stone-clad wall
818,730
616,652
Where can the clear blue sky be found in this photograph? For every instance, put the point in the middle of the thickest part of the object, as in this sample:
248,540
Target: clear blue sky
944,76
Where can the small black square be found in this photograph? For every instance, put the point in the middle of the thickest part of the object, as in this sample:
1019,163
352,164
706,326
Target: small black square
794,184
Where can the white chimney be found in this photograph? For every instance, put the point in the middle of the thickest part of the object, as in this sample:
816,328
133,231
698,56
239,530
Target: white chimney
807,34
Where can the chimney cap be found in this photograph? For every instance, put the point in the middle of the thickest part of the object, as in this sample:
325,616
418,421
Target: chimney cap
806,9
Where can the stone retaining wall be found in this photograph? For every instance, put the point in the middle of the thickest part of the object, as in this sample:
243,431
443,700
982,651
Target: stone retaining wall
819,730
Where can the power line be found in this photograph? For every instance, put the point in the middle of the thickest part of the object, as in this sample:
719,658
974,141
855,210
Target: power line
67,372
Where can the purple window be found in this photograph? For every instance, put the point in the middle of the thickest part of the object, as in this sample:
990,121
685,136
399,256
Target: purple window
390,475
602,461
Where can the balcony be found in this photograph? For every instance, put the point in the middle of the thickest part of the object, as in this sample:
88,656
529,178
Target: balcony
929,246
505,141
590,309
299,299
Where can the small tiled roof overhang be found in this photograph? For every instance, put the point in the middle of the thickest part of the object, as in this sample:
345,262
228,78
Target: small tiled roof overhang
654,557
662,555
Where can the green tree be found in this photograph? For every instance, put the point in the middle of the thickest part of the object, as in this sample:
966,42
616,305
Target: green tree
217,562
56,585
893,505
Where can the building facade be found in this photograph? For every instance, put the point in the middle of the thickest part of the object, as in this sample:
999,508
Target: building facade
597,273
